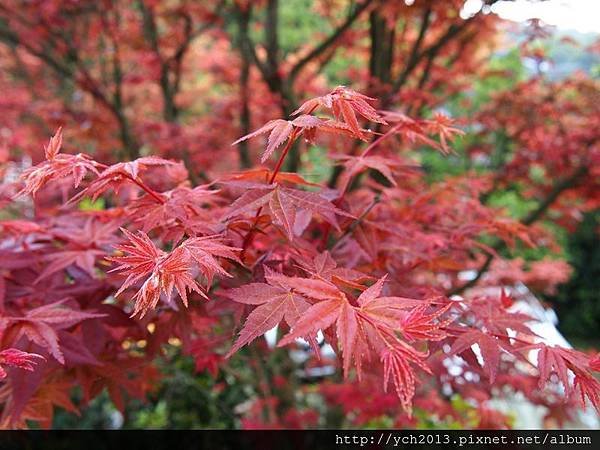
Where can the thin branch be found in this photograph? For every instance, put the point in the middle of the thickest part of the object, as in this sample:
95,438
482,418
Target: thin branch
415,54
330,40
431,52
272,37
357,221
243,17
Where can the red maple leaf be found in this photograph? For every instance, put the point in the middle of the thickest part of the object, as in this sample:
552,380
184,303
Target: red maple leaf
284,205
281,131
164,271
345,104
57,165
357,330
183,210
490,347
397,360
560,361
17,358
115,176
275,303
588,388
442,126
417,131
40,325
353,165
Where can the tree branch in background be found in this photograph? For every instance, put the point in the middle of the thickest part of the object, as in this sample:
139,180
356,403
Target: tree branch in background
415,53
382,49
272,37
243,19
151,34
430,52
330,40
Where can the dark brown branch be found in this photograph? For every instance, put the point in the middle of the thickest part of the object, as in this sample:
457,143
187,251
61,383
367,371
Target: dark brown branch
382,48
243,17
131,147
415,53
330,40
151,35
272,37
431,52
357,221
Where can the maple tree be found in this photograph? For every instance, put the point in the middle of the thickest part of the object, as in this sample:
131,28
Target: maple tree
139,225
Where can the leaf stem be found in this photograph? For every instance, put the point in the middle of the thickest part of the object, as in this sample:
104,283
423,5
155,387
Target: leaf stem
147,189
358,220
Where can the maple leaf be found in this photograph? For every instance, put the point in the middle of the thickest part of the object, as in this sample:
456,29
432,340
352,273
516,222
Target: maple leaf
413,130
86,231
83,247
317,289
56,166
84,259
319,316
323,266
345,104
492,314
356,331
17,358
35,400
285,216
276,303
284,205
114,176
204,250
40,325
334,127
588,388
396,366
183,207
558,361
316,204
164,271
118,374
388,311
53,147
328,308
143,257
59,317
280,130
441,125
417,325
490,347
354,165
